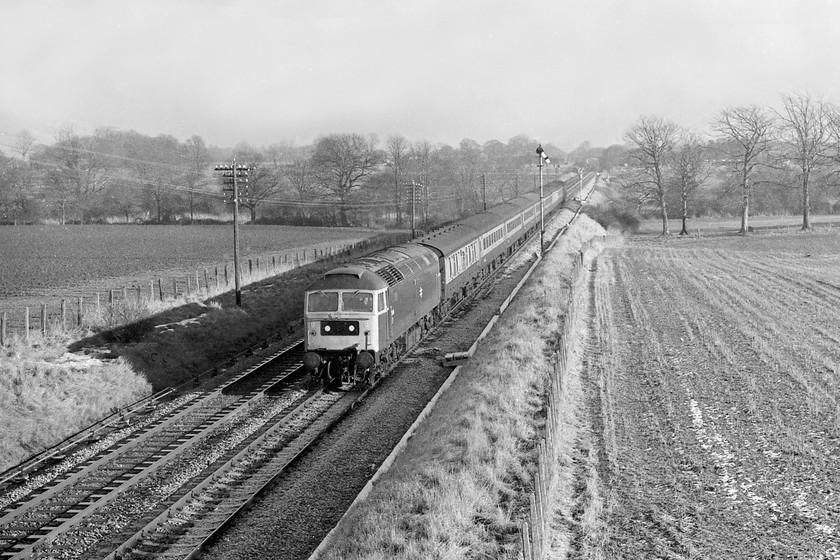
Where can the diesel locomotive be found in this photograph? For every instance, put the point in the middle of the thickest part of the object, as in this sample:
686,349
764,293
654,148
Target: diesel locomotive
363,316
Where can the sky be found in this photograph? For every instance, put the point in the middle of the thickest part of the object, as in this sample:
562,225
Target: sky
267,71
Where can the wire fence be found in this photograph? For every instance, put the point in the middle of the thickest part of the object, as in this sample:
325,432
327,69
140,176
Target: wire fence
534,529
116,306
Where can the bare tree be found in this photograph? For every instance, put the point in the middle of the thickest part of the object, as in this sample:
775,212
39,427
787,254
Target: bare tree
299,175
421,169
23,143
653,138
82,170
197,156
745,132
342,162
690,169
263,181
805,135
468,177
396,150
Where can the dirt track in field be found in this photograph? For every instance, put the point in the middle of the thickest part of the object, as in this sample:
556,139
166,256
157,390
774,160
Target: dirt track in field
713,400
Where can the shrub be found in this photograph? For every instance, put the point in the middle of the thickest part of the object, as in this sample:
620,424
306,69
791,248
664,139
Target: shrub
612,218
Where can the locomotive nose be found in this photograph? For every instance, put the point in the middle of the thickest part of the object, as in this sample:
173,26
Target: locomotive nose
311,360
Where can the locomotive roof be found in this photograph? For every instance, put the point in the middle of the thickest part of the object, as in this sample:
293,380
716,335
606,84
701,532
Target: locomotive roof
380,269
348,278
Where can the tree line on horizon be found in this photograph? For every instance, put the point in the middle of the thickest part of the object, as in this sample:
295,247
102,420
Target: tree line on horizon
340,180
753,160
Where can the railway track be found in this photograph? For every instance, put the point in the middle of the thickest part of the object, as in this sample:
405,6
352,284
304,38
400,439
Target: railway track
172,475
89,504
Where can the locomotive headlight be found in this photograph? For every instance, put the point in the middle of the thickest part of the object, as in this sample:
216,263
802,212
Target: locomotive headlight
327,328
351,328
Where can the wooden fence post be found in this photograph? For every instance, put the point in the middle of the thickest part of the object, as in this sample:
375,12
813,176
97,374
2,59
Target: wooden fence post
64,315
81,313
160,287
98,306
536,526
217,277
174,288
198,282
525,533
44,319
3,329
206,281
26,323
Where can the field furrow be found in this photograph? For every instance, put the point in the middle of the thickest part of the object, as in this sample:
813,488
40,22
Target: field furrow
722,404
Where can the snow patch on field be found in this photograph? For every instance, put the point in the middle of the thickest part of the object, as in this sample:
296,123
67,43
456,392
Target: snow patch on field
732,479
718,447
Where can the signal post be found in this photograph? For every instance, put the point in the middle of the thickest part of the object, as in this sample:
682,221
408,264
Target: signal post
542,159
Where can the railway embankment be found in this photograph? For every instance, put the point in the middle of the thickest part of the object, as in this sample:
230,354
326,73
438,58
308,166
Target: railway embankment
463,480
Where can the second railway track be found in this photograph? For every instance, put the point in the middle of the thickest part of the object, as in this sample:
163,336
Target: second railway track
90,503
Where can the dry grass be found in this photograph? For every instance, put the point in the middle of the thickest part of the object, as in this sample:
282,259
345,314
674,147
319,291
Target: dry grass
46,394
458,489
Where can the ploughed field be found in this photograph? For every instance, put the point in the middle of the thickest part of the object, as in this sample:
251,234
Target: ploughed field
715,396
44,260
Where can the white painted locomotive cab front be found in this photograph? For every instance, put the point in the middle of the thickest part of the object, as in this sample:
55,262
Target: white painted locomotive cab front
343,319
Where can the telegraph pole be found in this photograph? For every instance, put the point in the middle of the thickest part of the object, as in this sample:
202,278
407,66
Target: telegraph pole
484,190
232,175
541,156
413,207
580,184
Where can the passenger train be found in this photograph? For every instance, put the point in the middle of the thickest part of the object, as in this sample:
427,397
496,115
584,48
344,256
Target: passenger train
362,316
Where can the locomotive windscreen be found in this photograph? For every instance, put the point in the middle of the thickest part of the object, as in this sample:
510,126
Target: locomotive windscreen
322,301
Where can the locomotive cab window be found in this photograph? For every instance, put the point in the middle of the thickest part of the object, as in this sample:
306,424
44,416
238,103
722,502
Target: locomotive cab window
381,301
322,301
357,301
